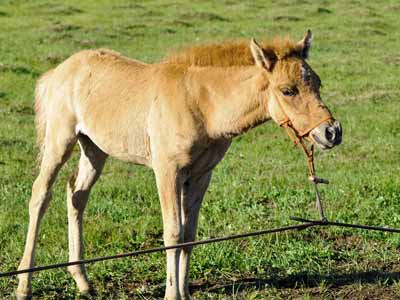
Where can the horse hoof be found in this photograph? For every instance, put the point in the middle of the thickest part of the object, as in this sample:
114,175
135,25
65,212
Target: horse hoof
23,297
86,294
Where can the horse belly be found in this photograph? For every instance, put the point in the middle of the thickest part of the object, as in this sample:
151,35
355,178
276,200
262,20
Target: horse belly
131,146
118,129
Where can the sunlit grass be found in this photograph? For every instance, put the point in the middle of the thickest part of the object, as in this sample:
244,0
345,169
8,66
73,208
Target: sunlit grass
259,184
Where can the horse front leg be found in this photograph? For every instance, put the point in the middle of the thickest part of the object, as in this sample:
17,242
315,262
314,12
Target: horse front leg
192,196
169,189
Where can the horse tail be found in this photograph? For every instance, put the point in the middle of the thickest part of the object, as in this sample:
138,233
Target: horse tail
40,111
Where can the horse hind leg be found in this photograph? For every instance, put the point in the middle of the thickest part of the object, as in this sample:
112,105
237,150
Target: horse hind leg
59,142
90,166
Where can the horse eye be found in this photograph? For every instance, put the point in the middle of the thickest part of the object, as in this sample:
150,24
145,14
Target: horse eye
289,92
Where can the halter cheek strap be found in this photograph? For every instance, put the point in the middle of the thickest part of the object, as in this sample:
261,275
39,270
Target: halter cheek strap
300,133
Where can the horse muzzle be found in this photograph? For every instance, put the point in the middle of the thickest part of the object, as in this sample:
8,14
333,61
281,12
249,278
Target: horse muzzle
327,135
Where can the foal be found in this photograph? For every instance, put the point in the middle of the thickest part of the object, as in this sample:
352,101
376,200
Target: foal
177,117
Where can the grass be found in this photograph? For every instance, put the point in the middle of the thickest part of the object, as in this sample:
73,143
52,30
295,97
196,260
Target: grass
259,184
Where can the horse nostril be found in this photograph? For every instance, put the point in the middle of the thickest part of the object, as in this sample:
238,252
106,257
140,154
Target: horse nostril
330,134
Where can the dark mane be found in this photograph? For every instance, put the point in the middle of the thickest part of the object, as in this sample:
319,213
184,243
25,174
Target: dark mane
231,53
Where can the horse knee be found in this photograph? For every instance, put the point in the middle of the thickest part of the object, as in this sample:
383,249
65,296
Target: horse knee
173,236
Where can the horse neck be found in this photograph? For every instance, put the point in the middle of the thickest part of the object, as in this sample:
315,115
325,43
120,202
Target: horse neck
234,99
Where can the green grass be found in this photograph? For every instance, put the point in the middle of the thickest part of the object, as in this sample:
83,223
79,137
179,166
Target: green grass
259,184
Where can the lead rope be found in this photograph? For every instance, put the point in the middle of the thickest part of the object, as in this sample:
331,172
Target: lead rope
309,153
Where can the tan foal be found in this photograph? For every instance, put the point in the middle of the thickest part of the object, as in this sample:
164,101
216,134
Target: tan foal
177,117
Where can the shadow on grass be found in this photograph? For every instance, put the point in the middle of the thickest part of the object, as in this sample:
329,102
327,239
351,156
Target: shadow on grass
295,282
301,280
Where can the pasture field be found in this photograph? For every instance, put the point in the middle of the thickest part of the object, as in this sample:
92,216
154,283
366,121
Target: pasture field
259,184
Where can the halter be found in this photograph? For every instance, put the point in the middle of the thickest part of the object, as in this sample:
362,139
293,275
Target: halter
298,138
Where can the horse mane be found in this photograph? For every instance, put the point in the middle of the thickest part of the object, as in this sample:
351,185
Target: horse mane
231,53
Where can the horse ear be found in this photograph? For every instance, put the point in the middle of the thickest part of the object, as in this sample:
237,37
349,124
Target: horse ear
305,44
259,56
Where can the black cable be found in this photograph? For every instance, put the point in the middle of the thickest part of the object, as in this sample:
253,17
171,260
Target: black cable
330,223
158,249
